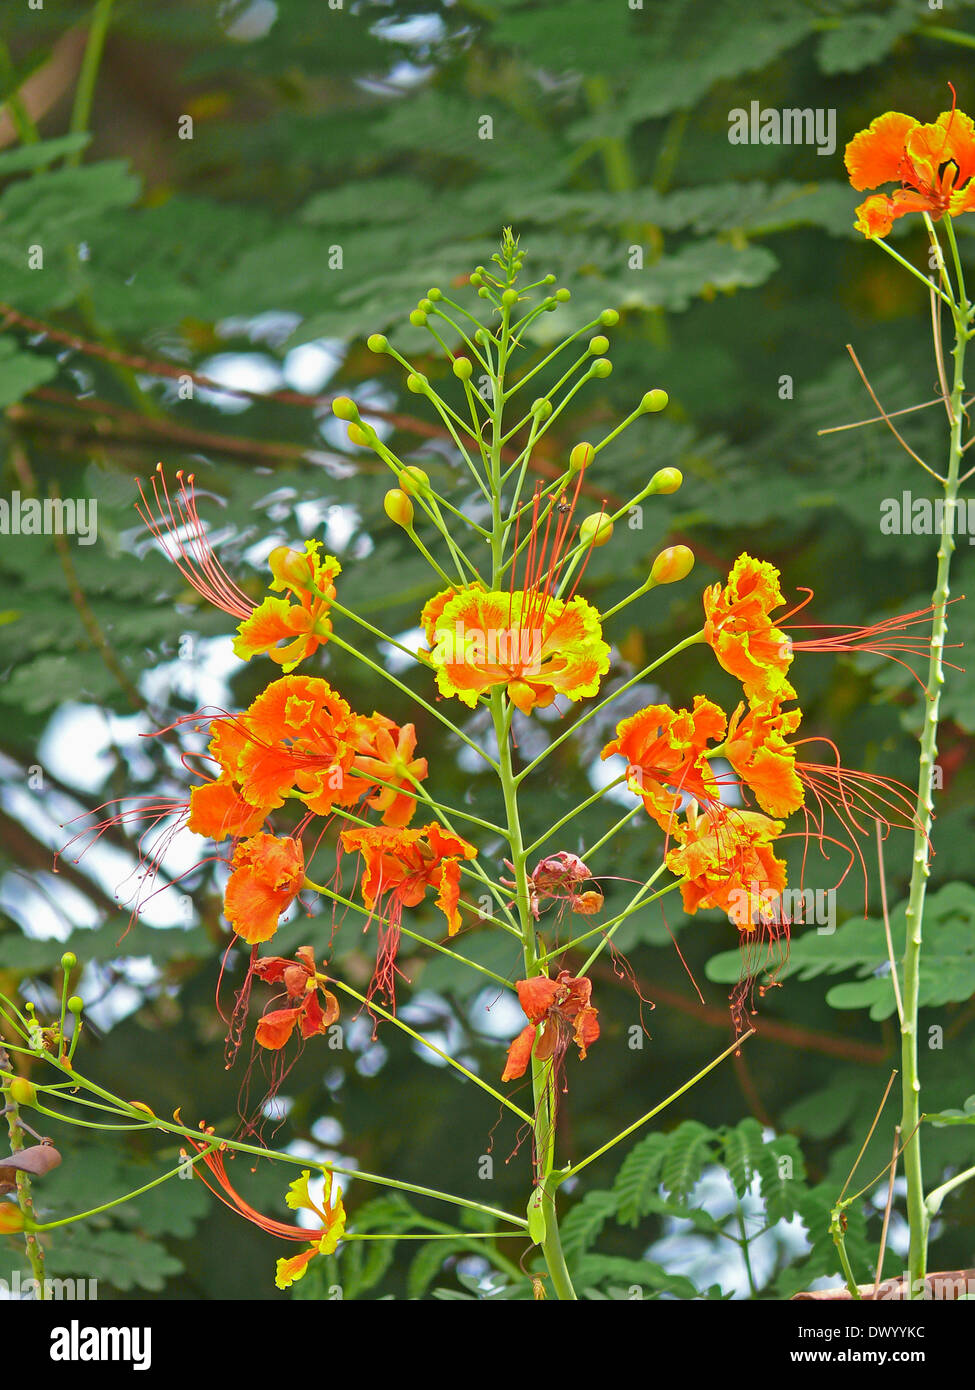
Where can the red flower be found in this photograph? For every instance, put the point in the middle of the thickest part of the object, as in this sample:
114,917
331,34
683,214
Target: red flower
266,877
302,983
559,1012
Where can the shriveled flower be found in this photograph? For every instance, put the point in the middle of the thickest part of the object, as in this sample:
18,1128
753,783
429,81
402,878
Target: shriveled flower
664,751
266,877
329,1214
303,983
740,631
559,1012
398,868
933,164
560,876
724,859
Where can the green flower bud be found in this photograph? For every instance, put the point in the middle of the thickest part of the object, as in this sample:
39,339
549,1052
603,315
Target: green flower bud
417,383
345,408
418,318
609,318
672,564
69,960
425,306
666,480
75,1004
596,529
581,456
563,296
598,345
549,280
542,407
484,292
22,1092
358,435
601,367
509,298
462,368
434,294
475,279
654,401
377,343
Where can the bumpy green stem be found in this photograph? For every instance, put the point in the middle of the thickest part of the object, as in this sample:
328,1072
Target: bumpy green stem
32,1246
911,1087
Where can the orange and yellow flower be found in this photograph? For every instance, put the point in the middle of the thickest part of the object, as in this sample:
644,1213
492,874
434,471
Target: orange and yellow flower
218,808
757,750
724,859
266,877
740,631
558,1012
534,645
301,621
302,983
384,752
300,737
665,754
329,1214
934,165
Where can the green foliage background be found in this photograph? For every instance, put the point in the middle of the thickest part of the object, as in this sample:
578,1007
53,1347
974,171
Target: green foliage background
357,128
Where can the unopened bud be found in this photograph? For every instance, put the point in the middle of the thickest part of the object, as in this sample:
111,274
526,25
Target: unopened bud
672,564
414,480
598,345
398,507
357,435
417,383
462,368
601,367
377,343
581,456
11,1218
22,1091
654,401
69,960
434,294
418,318
666,480
75,1004
609,318
425,306
541,408
596,529
509,298
292,569
345,407
563,296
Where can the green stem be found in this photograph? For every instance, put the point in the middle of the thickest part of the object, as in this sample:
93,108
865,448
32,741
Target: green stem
32,1246
85,90
918,1216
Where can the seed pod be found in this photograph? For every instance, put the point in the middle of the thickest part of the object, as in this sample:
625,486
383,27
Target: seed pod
398,507
672,564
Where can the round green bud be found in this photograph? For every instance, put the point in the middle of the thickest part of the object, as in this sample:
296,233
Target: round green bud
596,529
478,270
414,480
484,292
22,1092
598,345
475,279
666,480
417,383
509,297
463,368
398,507
425,306
542,407
581,456
601,367
418,318
672,564
357,435
377,343
609,318
434,294
75,1004
549,280
345,408
563,296
654,401
69,960
481,336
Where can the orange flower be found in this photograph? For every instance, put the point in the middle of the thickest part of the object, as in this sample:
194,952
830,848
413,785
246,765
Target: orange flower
560,1012
724,860
400,865
330,1213
303,626
664,750
302,982
266,877
384,751
218,808
741,633
757,750
300,736
934,165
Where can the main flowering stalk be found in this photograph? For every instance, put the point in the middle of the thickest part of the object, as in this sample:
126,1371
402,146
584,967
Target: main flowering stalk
961,311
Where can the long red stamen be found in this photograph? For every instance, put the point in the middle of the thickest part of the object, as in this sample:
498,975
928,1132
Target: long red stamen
183,538
228,1194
